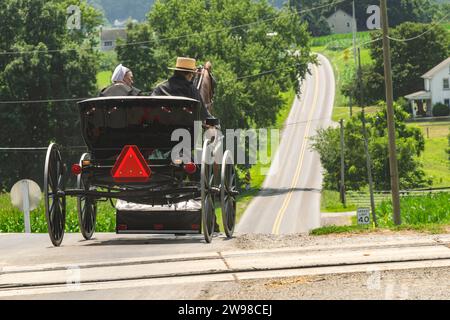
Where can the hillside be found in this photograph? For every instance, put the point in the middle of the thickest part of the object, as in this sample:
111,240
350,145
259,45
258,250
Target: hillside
123,9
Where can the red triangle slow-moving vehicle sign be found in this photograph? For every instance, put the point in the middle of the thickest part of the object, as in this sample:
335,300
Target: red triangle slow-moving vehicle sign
131,166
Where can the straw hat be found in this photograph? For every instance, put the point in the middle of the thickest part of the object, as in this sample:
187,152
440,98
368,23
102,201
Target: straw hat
185,64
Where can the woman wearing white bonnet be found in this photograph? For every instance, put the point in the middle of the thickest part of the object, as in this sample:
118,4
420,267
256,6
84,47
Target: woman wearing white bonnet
122,83
119,73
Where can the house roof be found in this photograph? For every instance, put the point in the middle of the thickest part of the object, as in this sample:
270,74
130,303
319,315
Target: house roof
329,17
419,95
113,34
430,74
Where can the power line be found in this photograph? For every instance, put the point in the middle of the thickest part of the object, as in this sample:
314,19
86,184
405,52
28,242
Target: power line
184,35
434,24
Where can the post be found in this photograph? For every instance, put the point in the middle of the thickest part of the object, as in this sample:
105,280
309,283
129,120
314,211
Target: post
366,143
350,102
26,206
342,184
393,165
369,167
354,31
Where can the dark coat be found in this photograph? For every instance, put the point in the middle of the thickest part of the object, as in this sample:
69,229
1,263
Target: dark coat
178,85
119,89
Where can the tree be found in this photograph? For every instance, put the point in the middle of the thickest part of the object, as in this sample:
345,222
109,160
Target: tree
410,59
45,61
410,145
369,84
257,51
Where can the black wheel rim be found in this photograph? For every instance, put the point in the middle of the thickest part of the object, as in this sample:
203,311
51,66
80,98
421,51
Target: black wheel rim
228,191
55,203
207,182
87,206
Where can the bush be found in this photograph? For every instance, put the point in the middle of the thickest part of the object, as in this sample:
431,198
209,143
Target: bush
441,110
417,209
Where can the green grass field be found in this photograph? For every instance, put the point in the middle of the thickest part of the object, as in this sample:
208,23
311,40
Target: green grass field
103,79
427,213
434,158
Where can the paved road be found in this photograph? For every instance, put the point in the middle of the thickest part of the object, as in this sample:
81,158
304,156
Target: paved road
290,199
79,270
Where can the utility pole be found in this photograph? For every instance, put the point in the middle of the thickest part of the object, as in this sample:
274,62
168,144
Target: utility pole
342,185
366,142
354,30
393,165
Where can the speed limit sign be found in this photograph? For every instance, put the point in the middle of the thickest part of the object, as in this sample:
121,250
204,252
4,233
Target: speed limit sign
363,215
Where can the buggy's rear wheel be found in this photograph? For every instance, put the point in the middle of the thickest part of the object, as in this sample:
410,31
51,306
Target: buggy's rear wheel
86,206
54,198
228,193
207,181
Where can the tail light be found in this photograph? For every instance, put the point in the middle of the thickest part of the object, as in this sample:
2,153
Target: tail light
190,168
76,169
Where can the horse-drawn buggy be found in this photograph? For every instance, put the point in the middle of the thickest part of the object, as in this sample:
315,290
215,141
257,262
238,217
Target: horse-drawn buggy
131,159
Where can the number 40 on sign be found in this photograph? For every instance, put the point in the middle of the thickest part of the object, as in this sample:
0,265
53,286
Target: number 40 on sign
363,215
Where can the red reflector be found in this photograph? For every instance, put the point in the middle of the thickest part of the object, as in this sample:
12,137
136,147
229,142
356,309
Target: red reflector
190,168
131,166
122,227
158,226
195,226
76,169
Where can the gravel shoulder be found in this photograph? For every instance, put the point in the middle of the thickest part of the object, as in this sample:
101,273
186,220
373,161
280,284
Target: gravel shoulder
413,284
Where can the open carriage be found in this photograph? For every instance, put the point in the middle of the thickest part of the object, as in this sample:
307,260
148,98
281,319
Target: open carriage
131,158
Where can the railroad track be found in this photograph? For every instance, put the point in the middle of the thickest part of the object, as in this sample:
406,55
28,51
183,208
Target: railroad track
222,266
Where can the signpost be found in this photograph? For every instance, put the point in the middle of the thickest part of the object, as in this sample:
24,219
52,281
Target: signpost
363,215
26,195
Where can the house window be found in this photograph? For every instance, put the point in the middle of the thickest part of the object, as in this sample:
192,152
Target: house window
107,43
447,102
348,24
446,84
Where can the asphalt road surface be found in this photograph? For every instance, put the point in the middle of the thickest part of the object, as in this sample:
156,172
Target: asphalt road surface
289,201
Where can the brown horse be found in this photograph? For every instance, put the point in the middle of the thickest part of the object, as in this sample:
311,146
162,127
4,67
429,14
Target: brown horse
205,84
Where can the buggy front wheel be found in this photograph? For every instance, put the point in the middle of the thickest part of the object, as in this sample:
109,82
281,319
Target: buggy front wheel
207,181
228,193
54,198
86,206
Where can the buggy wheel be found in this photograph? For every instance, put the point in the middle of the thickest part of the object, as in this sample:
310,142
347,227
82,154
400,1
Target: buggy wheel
86,206
227,194
206,181
55,200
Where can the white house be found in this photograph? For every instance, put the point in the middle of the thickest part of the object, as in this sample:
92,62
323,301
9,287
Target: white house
437,90
108,38
340,22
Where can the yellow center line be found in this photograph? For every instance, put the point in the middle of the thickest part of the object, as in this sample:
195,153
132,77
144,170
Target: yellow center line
279,218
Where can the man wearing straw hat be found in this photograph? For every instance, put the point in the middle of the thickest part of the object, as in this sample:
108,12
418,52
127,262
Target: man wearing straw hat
180,84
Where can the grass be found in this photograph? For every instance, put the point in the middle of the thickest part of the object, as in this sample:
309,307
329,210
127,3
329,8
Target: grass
103,79
429,213
434,158
330,201
11,219
417,210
